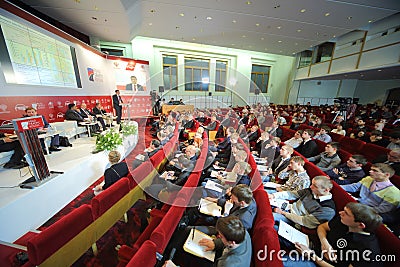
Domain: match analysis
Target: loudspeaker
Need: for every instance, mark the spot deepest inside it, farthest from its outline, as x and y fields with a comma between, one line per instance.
x=161, y=89
x=209, y=93
x=257, y=91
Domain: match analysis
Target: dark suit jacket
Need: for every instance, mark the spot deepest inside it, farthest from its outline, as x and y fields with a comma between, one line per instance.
x=309, y=149
x=276, y=162
x=72, y=115
x=211, y=126
x=97, y=111
x=114, y=173
x=116, y=102
x=129, y=86
x=84, y=113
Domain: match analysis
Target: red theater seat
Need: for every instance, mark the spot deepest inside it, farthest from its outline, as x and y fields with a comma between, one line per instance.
x=66, y=235
x=313, y=170
x=371, y=151
x=344, y=155
x=145, y=256
x=351, y=145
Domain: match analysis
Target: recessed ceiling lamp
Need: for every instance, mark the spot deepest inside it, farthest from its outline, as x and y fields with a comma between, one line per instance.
x=349, y=17
x=94, y=18
x=262, y=38
x=279, y=27
x=279, y=41
x=294, y=53
x=96, y=8
x=77, y=1
x=298, y=30
x=266, y=49
x=257, y=24
x=177, y=27
x=295, y=43
x=182, y=14
x=369, y=21
x=194, y=39
x=303, y=10
x=327, y=14
x=243, y=36
x=280, y=51
x=152, y=11
x=379, y=70
x=234, y=21
x=150, y=24
x=248, y=2
x=209, y=18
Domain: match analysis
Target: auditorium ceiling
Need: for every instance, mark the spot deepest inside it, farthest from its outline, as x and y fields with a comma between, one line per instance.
x=282, y=27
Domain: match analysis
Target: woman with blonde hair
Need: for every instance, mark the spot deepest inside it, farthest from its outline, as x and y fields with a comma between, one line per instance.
x=116, y=171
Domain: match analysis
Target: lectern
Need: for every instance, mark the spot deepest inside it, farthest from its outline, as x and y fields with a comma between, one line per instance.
x=26, y=130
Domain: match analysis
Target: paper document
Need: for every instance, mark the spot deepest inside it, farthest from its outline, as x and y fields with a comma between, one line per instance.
x=262, y=168
x=140, y=157
x=217, y=173
x=192, y=245
x=217, y=167
x=270, y=185
x=292, y=234
x=209, y=208
x=214, y=186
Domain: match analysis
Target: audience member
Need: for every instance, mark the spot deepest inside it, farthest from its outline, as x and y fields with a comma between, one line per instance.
x=349, y=172
x=308, y=148
x=328, y=159
x=376, y=190
x=339, y=129
x=312, y=207
x=392, y=159
x=116, y=171
x=323, y=135
x=296, y=140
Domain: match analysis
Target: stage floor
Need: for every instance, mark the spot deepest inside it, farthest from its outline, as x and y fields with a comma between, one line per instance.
x=22, y=210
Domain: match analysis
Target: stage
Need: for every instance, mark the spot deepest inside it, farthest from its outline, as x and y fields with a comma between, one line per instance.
x=22, y=210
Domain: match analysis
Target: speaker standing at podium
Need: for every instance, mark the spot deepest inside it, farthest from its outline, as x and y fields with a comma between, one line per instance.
x=117, y=104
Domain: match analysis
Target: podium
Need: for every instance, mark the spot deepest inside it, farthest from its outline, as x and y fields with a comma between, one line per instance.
x=26, y=130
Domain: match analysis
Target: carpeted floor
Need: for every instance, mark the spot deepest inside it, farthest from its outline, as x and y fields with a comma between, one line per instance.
x=120, y=233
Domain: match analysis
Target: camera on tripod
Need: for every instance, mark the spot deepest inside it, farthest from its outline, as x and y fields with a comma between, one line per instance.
x=343, y=102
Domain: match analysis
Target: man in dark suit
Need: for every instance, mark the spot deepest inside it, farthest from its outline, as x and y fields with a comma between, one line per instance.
x=99, y=112
x=134, y=86
x=8, y=144
x=73, y=114
x=117, y=104
x=308, y=148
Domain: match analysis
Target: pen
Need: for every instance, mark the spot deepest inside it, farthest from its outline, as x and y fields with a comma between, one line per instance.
x=194, y=229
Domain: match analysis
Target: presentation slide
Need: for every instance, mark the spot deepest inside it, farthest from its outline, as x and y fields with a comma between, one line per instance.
x=30, y=57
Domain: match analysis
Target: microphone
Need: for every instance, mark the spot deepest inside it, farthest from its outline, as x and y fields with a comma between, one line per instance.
x=172, y=254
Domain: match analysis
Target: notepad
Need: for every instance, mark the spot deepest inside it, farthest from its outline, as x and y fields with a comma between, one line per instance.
x=292, y=234
x=192, y=245
x=214, y=186
x=209, y=208
x=270, y=185
x=262, y=168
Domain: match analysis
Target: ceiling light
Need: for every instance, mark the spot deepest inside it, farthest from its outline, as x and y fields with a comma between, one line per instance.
x=194, y=39
x=182, y=14
x=233, y=21
x=250, y=46
x=265, y=49
x=279, y=41
x=303, y=10
x=177, y=27
x=334, y=36
x=327, y=14
x=77, y=1
x=379, y=70
x=295, y=43
x=280, y=51
x=262, y=38
x=294, y=53
x=96, y=8
x=243, y=36
x=369, y=21
x=279, y=27
x=349, y=17
x=150, y=24
x=152, y=11
x=277, y=6
x=248, y=2
x=209, y=18
x=233, y=44
x=94, y=18
x=257, y=24
x=299, y=30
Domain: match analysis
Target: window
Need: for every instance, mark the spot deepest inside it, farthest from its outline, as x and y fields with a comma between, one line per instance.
x=113, y=51
x=220, y=76
x=259, y=78
x=325, y=51
x=305, y=58
x=170, y=73
x=196, y=70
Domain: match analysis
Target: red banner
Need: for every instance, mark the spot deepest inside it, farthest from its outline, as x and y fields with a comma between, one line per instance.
x=54, y=107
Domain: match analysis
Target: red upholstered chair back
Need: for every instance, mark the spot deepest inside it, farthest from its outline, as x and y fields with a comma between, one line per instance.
x=265, y=239
x=321, y=145
x=106, y=199
x=43, y=245
x=287, y=133
x=336, y=137
x=340, y=197
x=142, y=171
x=389, y=245
x=162, y=234
x=395, y=180
x=145, y=256
x=371, y=151
x=264, y=210
x=313, y=170
x=157, y=158
x=344, y=155
x=351, y=145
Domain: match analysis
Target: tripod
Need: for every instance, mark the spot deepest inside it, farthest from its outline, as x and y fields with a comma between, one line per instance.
x=342, y=113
